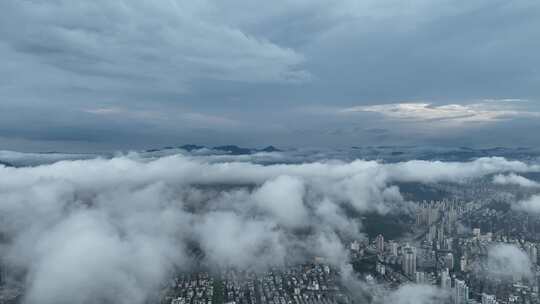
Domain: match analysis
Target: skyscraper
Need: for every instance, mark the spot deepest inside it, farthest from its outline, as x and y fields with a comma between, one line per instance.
x=409, y=261
x=379, y=241
x=449, y=260
x=446, y=281
x=440, y=234
x=461, y=292
x=394, y=248
x=532, y=252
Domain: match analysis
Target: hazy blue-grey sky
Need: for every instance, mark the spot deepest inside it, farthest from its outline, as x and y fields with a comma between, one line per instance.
x=112, y=74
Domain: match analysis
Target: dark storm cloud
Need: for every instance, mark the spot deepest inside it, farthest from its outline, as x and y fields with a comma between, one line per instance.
x=245, y=72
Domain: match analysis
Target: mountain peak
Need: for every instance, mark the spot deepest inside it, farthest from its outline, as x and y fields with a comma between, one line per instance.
x=191, y=147
x=233, y=149
x=270, y=149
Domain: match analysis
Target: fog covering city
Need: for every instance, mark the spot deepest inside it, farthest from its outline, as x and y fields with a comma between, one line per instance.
x=118, y=228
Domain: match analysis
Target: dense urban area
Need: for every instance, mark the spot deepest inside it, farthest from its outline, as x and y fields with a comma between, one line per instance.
x=447, y=247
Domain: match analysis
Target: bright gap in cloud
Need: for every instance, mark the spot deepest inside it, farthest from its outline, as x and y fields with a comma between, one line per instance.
x=457, y=113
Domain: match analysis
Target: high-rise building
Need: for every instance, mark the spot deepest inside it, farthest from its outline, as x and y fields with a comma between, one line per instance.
x=430, y=236
x=379, y=242
x=446, y=281
x=448, y=243
x=440, y=234
x=449, y=261
x=420, y=217
x=394, y=248
x=409, y=261
x=532, y=251
x=461, y=292
x=420, y=277
x=463, y=263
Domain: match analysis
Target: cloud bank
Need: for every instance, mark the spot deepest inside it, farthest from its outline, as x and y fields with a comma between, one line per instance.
x=513, y=179
x=508, y=260
x=417, y=294
x=531, y=204
x=110, y=230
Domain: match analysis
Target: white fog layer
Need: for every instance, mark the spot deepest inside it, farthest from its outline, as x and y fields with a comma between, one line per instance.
x=112, y=230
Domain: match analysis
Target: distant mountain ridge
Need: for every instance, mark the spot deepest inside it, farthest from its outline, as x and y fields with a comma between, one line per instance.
x=5, y=164
x=190, y=147
x=231, y=149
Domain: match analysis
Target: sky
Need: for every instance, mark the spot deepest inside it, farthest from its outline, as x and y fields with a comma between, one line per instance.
x=110, y=74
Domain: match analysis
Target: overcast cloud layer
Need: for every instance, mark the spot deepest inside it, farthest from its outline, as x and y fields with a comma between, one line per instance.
x=110, y=230
x=131, y=74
